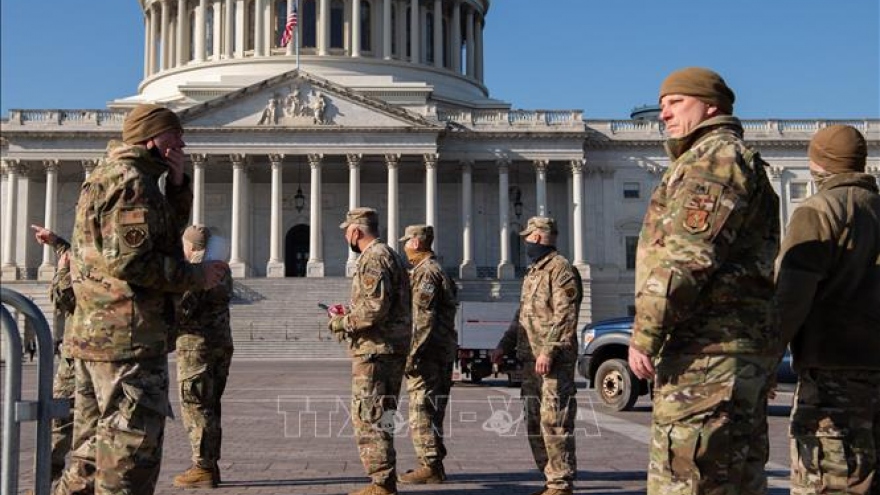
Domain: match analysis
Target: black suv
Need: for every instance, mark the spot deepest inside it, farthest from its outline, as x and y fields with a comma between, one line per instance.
x=602, y=360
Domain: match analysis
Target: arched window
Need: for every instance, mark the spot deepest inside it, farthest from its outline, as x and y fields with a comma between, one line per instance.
x=280, y=16
x=308, y=22
x=209, y=32
x=366, y=24
x=249, y=22
x=337, y=24
x=429, y=37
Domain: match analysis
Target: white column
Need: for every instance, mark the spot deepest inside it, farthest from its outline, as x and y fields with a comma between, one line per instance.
x=323, y=31
x=467, y=269
x=392, y=161
x=292, y=45
x=154, y=33
x=541, y=186
x=478, y=48
x=228, y=30
x=315, y=265
x=577, y=182
x=456, y=37
x=354, y=201
x=238, y=164
x=165, y=36
x=505, y=267
x=47, y=268
x=431, y=195
x=198, y=208
x=438, y=34
x=355, y=28
x=199, y=34
x=275, y=266
x=217, y=30
x=776, y=174
x=258, y=28
x=469, y=26
x=240, y=28
x=88, y=166
x=9, y=269
x=146, y=44
x=386, y=30
x=414, y=36
x=182, y=21
x=268, y=28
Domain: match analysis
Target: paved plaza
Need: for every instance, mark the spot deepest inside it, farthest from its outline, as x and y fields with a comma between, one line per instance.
x=286, y=431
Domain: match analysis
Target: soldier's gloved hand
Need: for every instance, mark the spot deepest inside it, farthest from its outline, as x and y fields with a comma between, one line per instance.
x=412, y=365
x=337, y=326
x=336, y=310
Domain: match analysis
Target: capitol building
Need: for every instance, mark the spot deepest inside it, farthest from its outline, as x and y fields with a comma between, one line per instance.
x=377, y=103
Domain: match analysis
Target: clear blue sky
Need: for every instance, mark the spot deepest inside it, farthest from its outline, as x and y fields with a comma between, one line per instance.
x=785, y=59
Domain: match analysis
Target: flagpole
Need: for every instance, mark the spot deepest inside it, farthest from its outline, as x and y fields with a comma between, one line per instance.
x=296, y=34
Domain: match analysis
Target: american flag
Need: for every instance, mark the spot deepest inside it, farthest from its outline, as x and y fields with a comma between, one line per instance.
x=289, y=27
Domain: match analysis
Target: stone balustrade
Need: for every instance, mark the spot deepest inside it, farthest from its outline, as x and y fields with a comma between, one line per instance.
x=516, y=118
x=79, y=118
x=763, y=129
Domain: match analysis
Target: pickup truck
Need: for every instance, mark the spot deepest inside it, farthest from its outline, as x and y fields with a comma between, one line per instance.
x=602, y=360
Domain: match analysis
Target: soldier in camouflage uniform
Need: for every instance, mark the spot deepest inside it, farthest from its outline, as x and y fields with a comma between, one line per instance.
x=126, y=261
x=544, y=336
x=204, y=353
x=828, y=291
x=704, y=290
x=431, y=356
x=378, y=328
x=64, y=385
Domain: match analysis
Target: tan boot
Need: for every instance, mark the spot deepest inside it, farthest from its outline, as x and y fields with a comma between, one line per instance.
x=539, y=492
x=423, y=475
x=373, y=489
x=557, y=491
x=195, y=477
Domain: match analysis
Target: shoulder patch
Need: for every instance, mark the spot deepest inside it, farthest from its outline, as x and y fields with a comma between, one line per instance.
x=134, y=237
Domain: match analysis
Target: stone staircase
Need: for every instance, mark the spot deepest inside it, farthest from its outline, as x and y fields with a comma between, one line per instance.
x=279, y=318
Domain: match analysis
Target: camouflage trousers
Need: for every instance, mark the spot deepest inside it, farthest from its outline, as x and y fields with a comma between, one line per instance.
x=375, y=386
x=201, y=375
x=835, y=431
x=550, y=408
x=63, y=387
x=709, y=430
x=119, y=425
x=428, y=387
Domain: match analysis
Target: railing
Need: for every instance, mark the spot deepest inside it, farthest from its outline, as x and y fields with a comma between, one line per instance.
x=16, y=411
x=66, y=117
x=796, y=129
x=503, y=117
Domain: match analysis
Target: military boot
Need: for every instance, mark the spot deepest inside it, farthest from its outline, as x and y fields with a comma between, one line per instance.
x=374, y=489
x=557, y=491
x=195, y=477
x=424, y=475
x=215, y=473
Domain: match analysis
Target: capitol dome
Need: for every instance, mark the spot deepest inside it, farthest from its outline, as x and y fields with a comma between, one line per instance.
x=400, y=51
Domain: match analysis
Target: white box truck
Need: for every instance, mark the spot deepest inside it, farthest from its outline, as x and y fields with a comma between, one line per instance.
x=480, y=327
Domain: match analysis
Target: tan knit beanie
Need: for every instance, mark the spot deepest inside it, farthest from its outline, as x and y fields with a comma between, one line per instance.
x=839, y=148
x=198, y=236
x=147, y=121
x=700, y=83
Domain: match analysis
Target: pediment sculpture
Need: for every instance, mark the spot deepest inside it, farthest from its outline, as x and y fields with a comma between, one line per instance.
x=298, y=107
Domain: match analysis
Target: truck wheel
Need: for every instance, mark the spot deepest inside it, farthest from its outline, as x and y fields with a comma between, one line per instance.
x=616, y=385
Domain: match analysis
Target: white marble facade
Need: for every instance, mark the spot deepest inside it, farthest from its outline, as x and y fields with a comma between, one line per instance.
x=282, y=144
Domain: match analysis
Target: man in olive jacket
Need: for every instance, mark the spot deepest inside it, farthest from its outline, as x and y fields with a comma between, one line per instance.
x=828, y=291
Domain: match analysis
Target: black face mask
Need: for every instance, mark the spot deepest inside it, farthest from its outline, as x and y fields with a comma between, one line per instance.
x=353, y=245
x=537, y=251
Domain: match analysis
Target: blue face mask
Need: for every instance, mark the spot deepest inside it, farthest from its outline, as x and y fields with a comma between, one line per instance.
x=537, y=251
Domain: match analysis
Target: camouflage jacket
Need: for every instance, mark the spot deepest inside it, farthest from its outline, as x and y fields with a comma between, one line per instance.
x=546, y=321
x=127, y=258
x=704, y=268
x=434, y=302
x=203, y=317
x=61, y=294
x=828, y=277
x=380, y=316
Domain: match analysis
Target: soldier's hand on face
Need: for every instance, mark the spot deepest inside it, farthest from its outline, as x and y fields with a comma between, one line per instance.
x=176, y=159
x=497, y=355
x=543, y=364
x=44, y=235
x=640, y=364
x=214, y=271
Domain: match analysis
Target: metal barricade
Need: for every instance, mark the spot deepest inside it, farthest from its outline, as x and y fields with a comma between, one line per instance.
x=17, y=411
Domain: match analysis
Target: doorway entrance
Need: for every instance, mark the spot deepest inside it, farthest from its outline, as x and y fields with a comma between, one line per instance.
x=296, y=251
